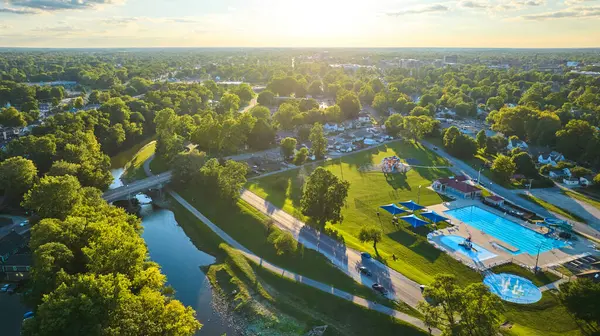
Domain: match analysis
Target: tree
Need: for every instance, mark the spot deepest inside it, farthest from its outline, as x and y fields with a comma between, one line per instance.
x=10, y=117
x=481, y=139
x=472, y=311
x=370, y=234
x=288, y=145
x=419, y=111
x=244, y=92
x=285, y=115
x=78, y=103
x=266, y=98
x=495, y=103
x=230, y=102
x=61, y=168
x=53, y=196
x=418, y=127
x=394, y=124
x=574, y=138
x=262, y=135
x=301, y=156
x=232, y=178
x=314, y=89
x=366, y=94
x=579, y=171
x=597, y=181
x=380, y=103
x=17, y=176
x=318, y=141
x=186, y=167
x=260, y=112
x=582, y=298
x=458, y=144
x=117, y=110
x=524, y=164
x=283, y=242
x=503, y=167
x=349, y=104
x=324, y=196
x=495, y=144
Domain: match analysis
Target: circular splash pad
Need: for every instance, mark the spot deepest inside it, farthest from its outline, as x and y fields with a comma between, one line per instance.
x=513, y=288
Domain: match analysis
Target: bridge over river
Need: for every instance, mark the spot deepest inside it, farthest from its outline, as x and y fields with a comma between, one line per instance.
x=126, y=191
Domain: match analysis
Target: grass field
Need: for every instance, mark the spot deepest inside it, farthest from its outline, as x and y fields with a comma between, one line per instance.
x=583, y=198
x=246, y=225
x=417, y=259
x=539, y=279
x=123, y=158
x=134, y=169
x=553, y=208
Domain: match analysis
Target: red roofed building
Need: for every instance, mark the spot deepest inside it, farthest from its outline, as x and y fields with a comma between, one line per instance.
x=457, y=185
x=495, y=200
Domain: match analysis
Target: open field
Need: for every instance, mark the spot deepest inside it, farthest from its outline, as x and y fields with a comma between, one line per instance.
x=123, y=158
x=134, y=169
x=416, y=258
x=553, y=208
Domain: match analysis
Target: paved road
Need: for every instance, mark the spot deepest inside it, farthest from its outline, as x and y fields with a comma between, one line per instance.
x=460, y=167
x=400, y=287
x=584, y=210
x=307, y=281
x=133, y=188
x=14, y=226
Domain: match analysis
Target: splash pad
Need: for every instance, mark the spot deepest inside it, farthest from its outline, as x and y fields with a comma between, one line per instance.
x=513, y=288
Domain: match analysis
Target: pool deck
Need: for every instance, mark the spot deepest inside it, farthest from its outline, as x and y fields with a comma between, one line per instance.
x=574, y=250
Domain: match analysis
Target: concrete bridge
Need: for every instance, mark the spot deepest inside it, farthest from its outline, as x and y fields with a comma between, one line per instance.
x=126, y=191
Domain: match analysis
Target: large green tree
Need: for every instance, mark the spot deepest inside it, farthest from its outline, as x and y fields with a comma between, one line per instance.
x=349, y=104
x=53, y=196
x=318, y=141
x=288, y=145
x=470, y=311
x=324, y=196
x=503, y=167
x=370, y=234
x=17, y=176
x=582, y=299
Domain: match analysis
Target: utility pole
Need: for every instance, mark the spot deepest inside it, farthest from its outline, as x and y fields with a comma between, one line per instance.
x=535, y=270
x=419, y=195
x=530, y=184
x=479, y=176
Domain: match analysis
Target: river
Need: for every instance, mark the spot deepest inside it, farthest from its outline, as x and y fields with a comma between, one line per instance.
x=180, y=261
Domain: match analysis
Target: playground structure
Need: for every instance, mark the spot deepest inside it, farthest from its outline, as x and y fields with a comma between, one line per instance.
x=392, y=164
x=554, y=224
x=468, y=244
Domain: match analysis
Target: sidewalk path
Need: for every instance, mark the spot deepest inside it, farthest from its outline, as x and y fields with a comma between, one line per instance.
x=399, y=286
x=553, y=285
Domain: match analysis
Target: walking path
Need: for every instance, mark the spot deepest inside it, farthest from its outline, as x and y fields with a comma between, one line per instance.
x=553, y=285
x=348, y=260
x=290, y=275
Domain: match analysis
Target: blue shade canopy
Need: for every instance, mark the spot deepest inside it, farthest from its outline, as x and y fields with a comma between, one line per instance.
x=393, y=209
x=434, y=216
x=412, y=206
x=414, y=221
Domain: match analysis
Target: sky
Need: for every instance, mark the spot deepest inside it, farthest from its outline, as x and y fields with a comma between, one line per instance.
x=305, y=23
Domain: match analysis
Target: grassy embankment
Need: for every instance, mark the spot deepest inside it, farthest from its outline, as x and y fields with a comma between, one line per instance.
x=273, y=305
x=553, y=208
x=417, y=259
x=583, y=198
x=122, y=159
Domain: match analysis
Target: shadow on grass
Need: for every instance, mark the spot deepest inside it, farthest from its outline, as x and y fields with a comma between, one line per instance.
x=397, y=181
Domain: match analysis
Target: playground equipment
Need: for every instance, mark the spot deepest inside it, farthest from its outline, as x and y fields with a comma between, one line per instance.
x=468, y=244
x=553, y=224
x=393, y=164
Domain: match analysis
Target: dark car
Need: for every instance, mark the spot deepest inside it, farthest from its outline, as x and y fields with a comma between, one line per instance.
x=364, y=270
x=365, y=255
x=379, y=288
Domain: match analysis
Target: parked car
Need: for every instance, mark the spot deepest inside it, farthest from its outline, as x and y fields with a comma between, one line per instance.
x=364, y=270
x=4, y=288
x=365, y=255
x=422, y=287
x=379, y=288
x=24, y=223
x=10, y=289
x=27, y=315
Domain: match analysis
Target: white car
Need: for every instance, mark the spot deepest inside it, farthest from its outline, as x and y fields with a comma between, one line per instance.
x=24, y=223
x=4, y=288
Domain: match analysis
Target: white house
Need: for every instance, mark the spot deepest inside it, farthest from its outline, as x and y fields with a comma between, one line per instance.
x=552, y=158
x=330, y=127
x=561, y=173
x=364, y=118
x=516, y=143
x=571, y=181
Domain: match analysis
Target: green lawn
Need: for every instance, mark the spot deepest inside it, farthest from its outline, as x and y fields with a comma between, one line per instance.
x=123, y=158
x=548, y=317
x=134, y=169
x=369, y=189
x=583, y=198
x=553, y=208
x=158, y=165
x=246, y=225
x=539, y=279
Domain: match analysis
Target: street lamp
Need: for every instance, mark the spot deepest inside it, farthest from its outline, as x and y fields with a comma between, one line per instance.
x=419, y=195
x=535, y=270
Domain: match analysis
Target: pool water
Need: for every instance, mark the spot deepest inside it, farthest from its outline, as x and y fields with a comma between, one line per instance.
x=520, y=237
x=479, y=254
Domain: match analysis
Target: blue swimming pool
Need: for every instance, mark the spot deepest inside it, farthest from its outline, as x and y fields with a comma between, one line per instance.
x=478, y=254
x=520, y=237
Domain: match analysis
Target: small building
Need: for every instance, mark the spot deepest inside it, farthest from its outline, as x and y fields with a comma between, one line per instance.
x=571, y=181
x=516, y=143
x=17, y=267
x=552, y=158
x=560, y=173
x=11, y=244
x=495, y=200
x=330, y=127
x=456, y=186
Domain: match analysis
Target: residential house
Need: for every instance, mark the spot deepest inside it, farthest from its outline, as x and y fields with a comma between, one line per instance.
x=560, y=173
x=552, y=158
x=330, y=127
x=571, y=181
x=17, y=267
x=516, y=143
x=364, y=118
x=11, y=244
x=456, y=185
